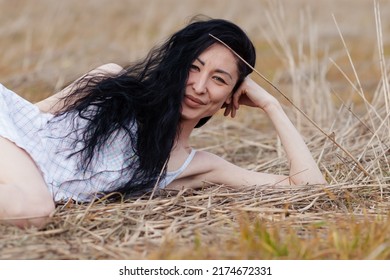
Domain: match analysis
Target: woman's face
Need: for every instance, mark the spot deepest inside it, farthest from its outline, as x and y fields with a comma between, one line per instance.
x=211, y=80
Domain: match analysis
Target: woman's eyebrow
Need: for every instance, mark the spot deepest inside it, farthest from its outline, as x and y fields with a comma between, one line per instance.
x=216, y=70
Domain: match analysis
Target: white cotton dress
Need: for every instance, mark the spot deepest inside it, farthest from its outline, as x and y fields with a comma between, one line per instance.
x=49, y=143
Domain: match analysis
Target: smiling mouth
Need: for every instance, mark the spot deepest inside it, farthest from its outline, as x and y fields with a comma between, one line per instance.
x=196, y=100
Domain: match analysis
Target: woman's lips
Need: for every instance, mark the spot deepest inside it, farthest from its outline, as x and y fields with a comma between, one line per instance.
x=194, y=100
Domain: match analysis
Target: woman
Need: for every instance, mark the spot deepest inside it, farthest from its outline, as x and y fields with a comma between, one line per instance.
x=127, y=130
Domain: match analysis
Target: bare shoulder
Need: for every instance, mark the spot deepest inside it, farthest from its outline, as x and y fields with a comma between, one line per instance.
x=204, y=167
x=204, y=162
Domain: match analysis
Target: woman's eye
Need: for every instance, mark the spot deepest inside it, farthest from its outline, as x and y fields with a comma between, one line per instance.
x=194, y=67
x=220, y=80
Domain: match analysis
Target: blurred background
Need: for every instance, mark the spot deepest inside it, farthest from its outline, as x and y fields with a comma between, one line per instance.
x=45, y=43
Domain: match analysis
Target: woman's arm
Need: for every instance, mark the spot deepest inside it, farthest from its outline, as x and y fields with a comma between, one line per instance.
x=303, y=168
x=55, y=103
x=207, y=167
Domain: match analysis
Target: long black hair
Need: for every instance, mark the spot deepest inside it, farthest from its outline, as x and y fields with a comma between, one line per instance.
x=149, y=94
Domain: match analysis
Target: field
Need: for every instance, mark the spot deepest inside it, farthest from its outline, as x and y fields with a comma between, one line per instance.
x=330, y=57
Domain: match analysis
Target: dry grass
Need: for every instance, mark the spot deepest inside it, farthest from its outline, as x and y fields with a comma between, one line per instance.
x=265, y=222
x=334, y=70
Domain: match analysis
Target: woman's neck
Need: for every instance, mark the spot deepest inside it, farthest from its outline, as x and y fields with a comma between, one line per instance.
x=183, y=139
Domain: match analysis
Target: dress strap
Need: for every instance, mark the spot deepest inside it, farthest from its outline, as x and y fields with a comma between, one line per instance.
x=185, y=164
x=172, y=175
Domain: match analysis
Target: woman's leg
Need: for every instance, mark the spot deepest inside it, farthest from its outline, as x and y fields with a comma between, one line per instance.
x=24, y=197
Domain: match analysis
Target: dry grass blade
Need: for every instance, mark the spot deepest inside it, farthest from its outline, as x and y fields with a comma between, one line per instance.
x=125, y=230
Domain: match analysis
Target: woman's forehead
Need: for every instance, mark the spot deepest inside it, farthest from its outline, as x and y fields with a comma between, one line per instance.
x=219, y=56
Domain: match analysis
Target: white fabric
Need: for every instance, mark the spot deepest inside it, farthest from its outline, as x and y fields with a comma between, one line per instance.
x=172, y=175
x=50, y=143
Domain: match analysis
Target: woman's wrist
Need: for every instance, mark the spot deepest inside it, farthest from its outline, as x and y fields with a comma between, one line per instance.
x=271, y=107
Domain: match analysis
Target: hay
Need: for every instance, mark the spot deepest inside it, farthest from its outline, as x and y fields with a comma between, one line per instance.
x=138, y=228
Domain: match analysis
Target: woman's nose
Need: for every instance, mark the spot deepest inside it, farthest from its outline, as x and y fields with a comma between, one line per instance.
x=200, y=84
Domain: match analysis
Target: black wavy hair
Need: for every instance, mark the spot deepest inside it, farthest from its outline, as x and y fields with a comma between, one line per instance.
x=149, y=94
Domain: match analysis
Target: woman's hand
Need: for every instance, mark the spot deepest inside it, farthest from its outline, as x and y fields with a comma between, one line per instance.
x=249, y=94
x=303, y=168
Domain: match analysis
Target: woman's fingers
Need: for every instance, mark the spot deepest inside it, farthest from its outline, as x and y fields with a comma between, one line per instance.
x=234, y=111
x=231, y=111
x=236, y=98
x=227, y=109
